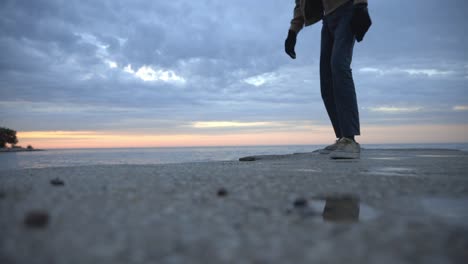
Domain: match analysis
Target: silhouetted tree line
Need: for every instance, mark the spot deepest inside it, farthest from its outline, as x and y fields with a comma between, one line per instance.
x=7, y=136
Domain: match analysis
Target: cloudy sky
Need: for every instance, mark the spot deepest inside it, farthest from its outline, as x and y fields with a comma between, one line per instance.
x=207, y=72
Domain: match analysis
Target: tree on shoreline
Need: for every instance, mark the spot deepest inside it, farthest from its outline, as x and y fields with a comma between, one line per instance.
x=7, y=136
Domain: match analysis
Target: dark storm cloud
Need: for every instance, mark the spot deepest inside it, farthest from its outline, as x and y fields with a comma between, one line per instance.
x=63, y=63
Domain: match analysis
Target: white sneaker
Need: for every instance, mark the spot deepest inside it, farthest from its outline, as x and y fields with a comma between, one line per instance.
x=346, y=149
x=328, y=149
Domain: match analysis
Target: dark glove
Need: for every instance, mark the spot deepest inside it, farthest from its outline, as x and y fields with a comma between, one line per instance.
x=290, y=43
x=361, y=21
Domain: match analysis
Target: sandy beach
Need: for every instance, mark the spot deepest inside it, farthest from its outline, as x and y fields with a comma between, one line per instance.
x=392, y=206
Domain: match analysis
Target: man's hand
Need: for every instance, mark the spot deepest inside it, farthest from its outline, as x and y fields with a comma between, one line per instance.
x=361, y=21
x=290, y=43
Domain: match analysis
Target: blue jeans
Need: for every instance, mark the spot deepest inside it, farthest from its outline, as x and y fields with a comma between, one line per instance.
x=336, y=79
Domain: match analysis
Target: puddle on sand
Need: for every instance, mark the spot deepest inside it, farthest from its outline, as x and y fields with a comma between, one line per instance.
x=392, y=171
x=439, y=156
x=338, y=209
x=450, y=209
x=347, y=208
x=307, y=170
x=386, y=158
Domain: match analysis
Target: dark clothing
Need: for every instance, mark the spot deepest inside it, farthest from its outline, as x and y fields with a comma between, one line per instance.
x=361, y=21
x=336, y=80
x=309, y=12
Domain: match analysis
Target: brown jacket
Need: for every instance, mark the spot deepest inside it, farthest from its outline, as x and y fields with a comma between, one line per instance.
x=308, y=12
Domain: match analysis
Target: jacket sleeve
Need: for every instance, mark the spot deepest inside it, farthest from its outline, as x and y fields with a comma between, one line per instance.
x=297, y=23
x=360, y=2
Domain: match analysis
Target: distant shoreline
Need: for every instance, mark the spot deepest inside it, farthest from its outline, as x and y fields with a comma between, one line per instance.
x=7, y=150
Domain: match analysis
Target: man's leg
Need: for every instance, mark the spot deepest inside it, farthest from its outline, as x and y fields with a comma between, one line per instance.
x=326, y=81
x=343, y=84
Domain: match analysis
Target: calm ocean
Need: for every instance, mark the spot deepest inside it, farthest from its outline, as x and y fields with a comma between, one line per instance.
x=80, y=157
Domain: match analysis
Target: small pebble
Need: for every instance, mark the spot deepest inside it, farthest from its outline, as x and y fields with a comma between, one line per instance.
x=2, y=195
x=222, y=192
x=247, y=159
x=300, y=203
x=36, y=219
x=57, y=182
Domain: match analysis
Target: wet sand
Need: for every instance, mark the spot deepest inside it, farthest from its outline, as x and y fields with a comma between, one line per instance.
x=8, y=150
x=392, y=206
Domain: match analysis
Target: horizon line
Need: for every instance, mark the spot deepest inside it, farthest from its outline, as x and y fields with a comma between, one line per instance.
x=260, y=145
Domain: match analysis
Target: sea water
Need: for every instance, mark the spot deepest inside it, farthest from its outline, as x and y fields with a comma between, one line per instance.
x=143, y=156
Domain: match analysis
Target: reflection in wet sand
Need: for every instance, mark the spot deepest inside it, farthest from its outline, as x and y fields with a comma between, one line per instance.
x=439, y=156
x=392, y=171
x=342, y=208
x=450, y=209
x=339, y=209
x=386, y=158
x=307, y=170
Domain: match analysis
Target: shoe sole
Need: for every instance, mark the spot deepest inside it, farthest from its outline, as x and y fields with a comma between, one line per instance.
x=345, y=155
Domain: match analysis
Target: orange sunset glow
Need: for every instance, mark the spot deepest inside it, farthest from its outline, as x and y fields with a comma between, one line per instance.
x=316, y=135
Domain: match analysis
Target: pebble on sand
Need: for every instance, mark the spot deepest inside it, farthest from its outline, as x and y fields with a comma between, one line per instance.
x=36, y=219
x=57, y=182
x=248, y=159
x=300, y=203
x=222, y=192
